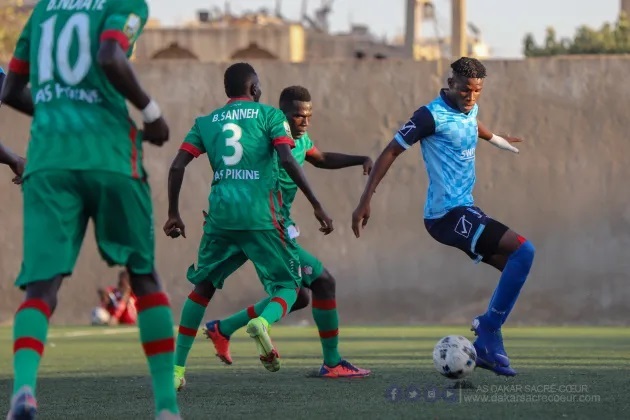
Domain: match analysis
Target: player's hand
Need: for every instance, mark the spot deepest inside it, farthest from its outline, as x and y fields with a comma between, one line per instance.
x=156, y=133
x=360, y=216
x=511, y=139
x=18, y=169
x=367, y=166
x=174, y=227
x=324, y=220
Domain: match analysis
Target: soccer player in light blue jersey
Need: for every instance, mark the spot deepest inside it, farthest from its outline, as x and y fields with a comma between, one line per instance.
x=447, y=130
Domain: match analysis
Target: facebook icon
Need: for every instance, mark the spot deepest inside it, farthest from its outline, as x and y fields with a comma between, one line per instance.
x=394, y=394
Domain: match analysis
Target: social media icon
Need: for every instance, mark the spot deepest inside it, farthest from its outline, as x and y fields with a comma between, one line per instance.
x=450, y=395
x=413, y=393
x=394, y=394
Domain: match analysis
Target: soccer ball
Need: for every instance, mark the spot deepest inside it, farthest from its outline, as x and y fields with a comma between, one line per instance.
x=454, y=357
x=99, y=316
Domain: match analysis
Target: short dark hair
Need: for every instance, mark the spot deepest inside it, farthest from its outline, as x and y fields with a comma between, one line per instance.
x=236, y=79
x=470, y=68
x=294, y=93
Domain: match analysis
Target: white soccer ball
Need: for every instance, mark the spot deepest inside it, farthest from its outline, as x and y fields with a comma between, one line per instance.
x=100, y=316
x=454, y=357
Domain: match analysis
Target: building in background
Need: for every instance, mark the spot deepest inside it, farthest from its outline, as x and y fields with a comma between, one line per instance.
x=217, y=35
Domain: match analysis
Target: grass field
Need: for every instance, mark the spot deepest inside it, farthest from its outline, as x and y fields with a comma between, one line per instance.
x=98, y=373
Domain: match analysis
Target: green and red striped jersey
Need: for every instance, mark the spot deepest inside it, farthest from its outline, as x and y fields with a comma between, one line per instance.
x=240, y=140
x=81, y=121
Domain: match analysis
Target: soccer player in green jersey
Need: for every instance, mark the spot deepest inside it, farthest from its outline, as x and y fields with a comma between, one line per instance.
x=84, y=162
x=245, y=141
x=295, y=102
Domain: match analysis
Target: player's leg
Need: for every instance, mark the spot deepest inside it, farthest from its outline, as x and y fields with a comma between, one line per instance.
x=513, y=255
x=218, y=257
x=123, y=222
x=54, y=226
x=470, y=230
x=192, y=313
x=275, y=257
x=324, y=307
x=220, y=331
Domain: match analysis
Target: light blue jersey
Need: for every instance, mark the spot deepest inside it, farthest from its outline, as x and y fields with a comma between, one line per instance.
x=448, y=141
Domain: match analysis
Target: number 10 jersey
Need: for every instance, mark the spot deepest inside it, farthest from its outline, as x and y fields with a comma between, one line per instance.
x=81, y=121
x=239, y=140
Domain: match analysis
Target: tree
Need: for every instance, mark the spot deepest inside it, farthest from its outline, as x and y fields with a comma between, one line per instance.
x=609, y=39
x=12, y=20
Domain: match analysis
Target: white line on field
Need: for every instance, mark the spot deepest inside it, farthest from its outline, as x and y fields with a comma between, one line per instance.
x=95, y=331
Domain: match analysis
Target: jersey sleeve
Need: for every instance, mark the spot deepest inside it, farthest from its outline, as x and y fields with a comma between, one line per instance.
x=193, y=142
x=124, y=22
x=311, y=149
x=278, y=129
x=419, y=126
x=20, y=62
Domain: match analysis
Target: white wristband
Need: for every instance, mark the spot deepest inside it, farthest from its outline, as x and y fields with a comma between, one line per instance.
x=151, y=112
x=502, y=143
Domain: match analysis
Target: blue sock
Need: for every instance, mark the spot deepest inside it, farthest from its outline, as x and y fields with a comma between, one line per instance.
x=512, y=279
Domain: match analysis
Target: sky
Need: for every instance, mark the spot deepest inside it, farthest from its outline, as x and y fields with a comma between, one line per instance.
x=502, y=23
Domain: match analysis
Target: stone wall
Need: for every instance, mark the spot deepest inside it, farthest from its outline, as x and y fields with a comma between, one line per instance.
x=566, y=192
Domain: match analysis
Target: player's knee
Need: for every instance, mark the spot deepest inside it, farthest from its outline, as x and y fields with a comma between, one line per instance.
x=302, y=301
x=528, y=251
x=144, y=284
x=324, y=287
x=46, y=291
x=524, y=255
x=205, y=289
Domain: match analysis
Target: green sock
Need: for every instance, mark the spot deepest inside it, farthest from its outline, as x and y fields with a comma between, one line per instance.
x=281, y=300
x=231, y=324
x=192, y=314
x=327, y=321
x=155, y=321
x=29, y=338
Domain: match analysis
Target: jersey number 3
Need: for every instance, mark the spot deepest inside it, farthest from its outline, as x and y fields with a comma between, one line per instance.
x=234, y=142
x=78, y=23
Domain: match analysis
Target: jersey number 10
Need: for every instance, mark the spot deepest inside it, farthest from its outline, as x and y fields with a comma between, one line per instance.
x=71, y=74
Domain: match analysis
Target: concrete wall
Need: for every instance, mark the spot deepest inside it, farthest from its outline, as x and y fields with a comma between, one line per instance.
x=567, y=191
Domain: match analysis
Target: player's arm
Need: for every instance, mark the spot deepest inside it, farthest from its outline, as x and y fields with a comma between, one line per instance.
x=419, y=126
x=283, y=146
x=122, y=306
x=332, y=160
x=121, y=30
x=279, y=133
x=502, y=142
x=117, y=68
x=15, y=92
x=191, y=148
x=103, y=297
x=7, y=157
x=295, y=172
x=14, y=161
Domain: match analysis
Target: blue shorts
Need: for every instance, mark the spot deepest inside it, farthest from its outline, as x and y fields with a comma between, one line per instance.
x=468, y=229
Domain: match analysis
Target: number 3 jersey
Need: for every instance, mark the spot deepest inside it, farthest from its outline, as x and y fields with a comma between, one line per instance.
x=81, y=122
x=239, y=140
